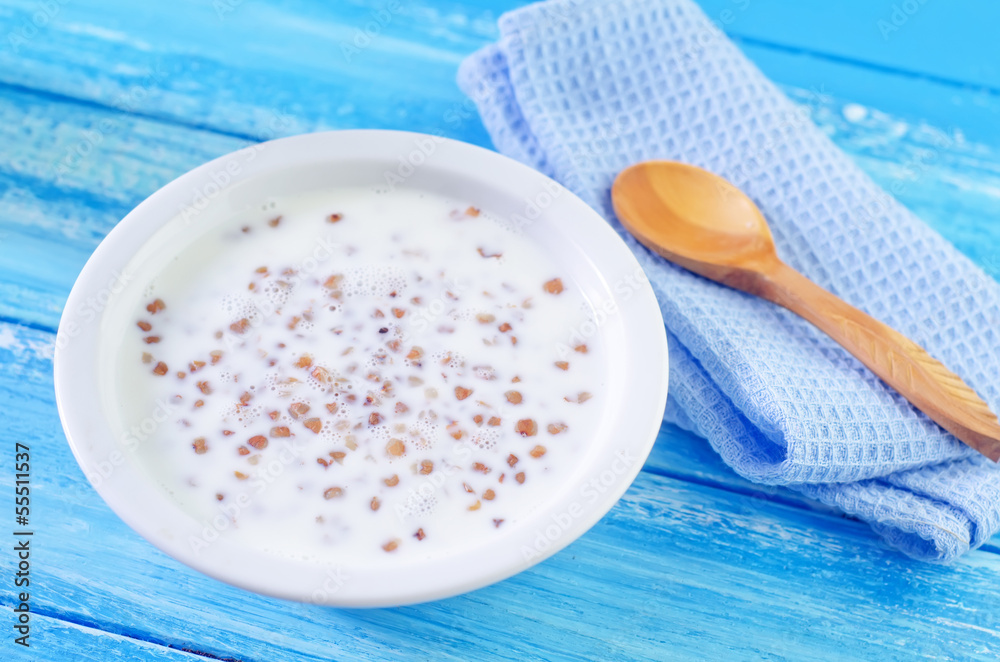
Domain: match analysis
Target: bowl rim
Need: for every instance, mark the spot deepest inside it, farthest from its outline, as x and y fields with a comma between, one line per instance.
x=147, y=509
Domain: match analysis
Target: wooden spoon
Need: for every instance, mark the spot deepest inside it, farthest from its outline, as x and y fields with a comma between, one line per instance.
x=705, y=224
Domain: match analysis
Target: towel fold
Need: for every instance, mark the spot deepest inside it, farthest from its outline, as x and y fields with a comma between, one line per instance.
x=581, y=89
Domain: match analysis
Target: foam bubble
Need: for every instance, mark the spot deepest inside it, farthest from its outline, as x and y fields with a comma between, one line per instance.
x=374, y=280
x=276, y=290
x=422, y=501
x=387, y=260
x=486, y=438
x=452, y=360
x=246, y=416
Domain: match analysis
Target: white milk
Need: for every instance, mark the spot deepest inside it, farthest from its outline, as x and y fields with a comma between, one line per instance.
x=372, y=472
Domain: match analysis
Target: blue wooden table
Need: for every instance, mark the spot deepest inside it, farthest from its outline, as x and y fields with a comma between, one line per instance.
x=102, y=102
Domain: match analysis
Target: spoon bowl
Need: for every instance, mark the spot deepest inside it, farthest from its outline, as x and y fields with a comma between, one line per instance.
x=696, y=219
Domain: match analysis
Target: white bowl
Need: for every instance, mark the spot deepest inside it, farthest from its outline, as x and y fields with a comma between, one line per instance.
x=580, y=243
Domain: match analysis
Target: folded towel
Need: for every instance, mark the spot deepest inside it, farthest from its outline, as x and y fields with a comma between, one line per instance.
x=580, y=89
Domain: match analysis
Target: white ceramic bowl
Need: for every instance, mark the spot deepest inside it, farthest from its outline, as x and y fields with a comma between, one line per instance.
x=580, y=243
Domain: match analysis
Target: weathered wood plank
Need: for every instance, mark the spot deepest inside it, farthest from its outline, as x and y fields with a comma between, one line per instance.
x=211, y=65
x=51, y=223
x=696, y=571
x=892, y=35
x=677, y=569
x=53, y=220
x=68, y=174
x=51, y=217
x=172, y=62
x=55, y=640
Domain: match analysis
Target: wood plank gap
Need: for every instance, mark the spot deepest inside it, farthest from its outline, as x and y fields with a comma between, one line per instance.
x=840, y=59
x=36, y=326
x=93, y=625
x=763, y=493
x=43, y=93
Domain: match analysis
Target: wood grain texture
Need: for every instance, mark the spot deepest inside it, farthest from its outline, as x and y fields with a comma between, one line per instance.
x=917, y=60
x=52, y=217
x=208, y=67
x=213, y=65
x=898, y=361
x=105, y=103
x=679, y=568
x=891, y=35
x=49, y=236
x=55, y=640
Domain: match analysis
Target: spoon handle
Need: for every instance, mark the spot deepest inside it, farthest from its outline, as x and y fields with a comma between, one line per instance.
x=897, y=360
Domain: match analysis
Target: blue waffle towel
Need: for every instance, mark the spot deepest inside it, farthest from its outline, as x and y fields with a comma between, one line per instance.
x=581, y=89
